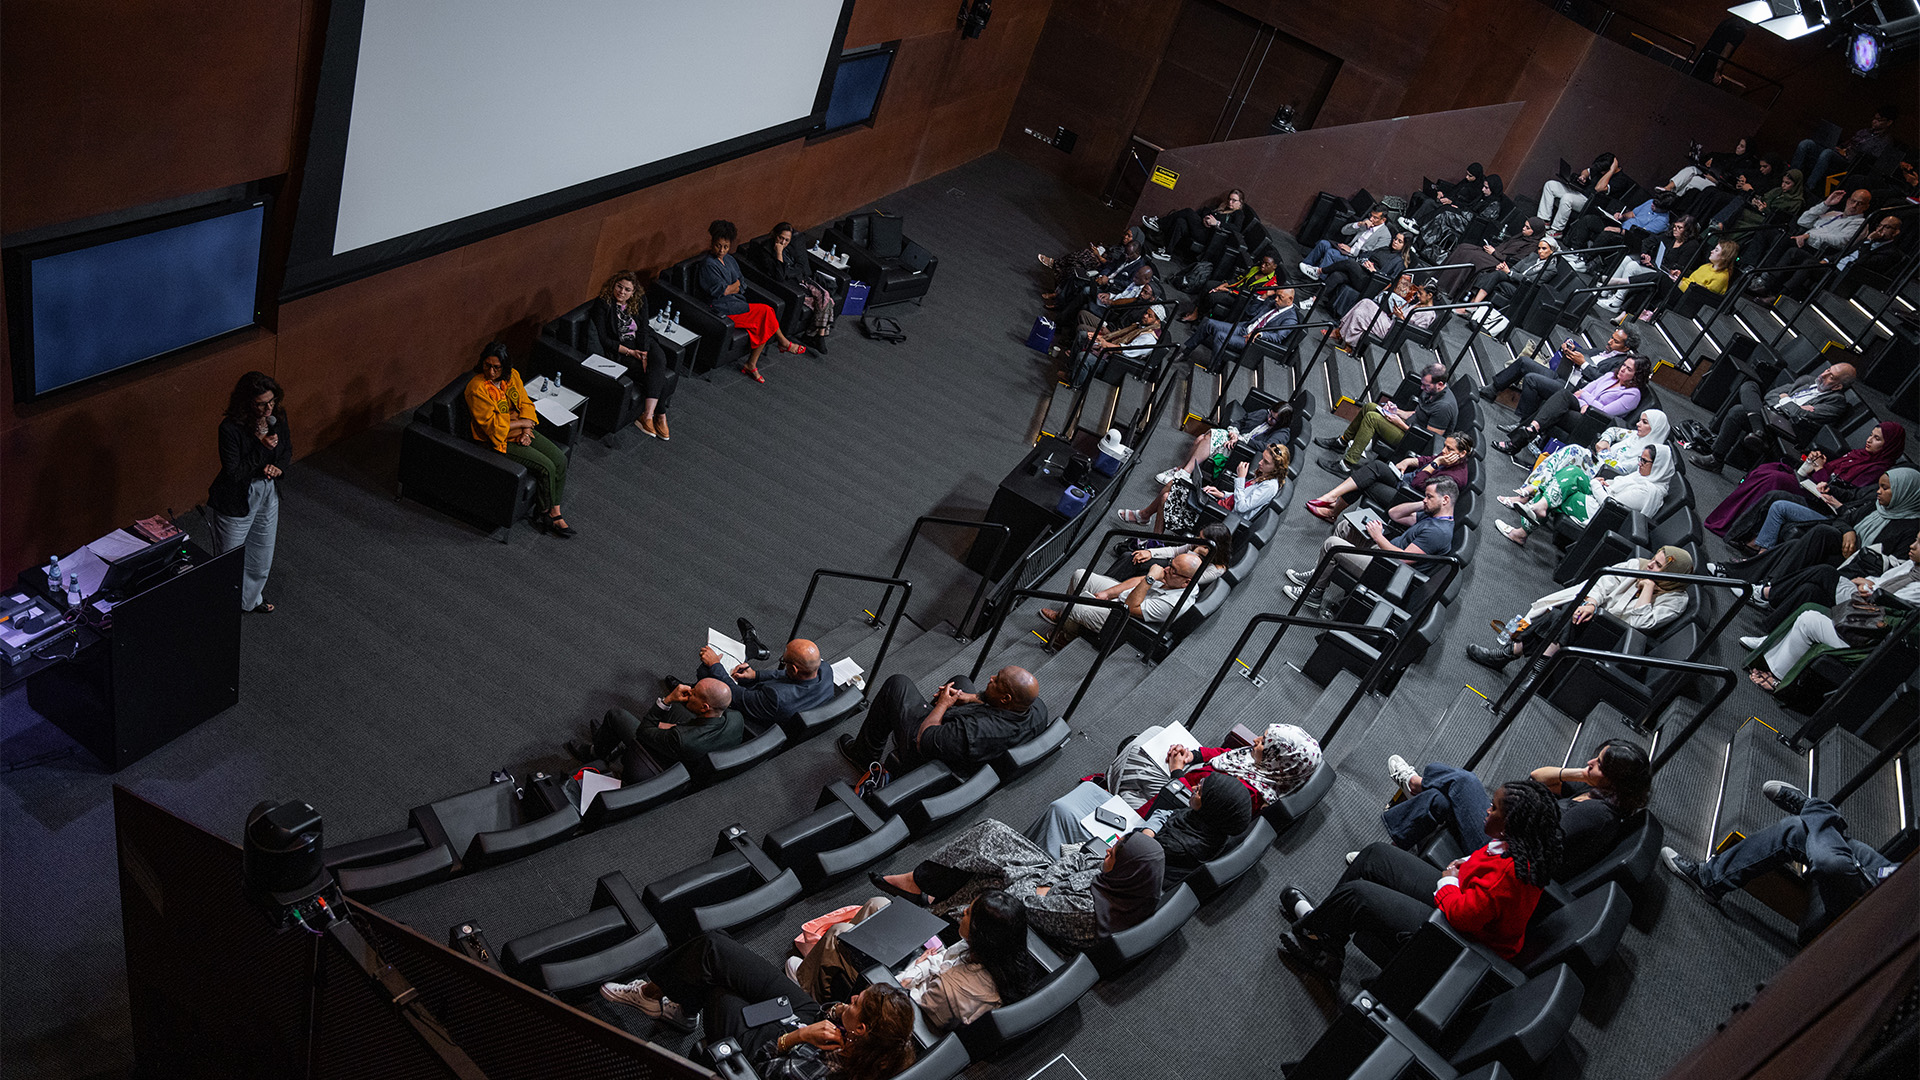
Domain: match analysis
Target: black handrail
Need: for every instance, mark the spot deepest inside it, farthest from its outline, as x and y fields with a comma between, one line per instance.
x=1109, y=634
x=1383, y=636
x=1893, y=750
x=1512, y=712
x=1434, y=589
x=993, y=559
x=1175, y=539
x=1439, y=343
x=886, y=642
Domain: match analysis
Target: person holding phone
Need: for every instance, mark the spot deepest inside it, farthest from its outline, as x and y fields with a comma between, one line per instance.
x=1221, y=809
x=243, y=502
x=1275, y=765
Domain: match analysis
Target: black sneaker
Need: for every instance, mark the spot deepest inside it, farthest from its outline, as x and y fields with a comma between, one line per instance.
x=845, y=745
x=1336, y=465
x=580, y=751
x=1304, y=952
x=1785, y=796
x=1330, y=442
x=1688, y=871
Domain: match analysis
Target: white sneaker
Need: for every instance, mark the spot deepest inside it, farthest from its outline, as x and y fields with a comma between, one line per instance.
x=1167, y=476
x=793, y=967
x=1399, y=770
x=1578, y=262
x=1292, y=591
x=1150, y=222
x=1352, y=855
x=1751, y=642
x=1305, y=306
x=1310, y=270
x=1610, y=305
x=1162, y=254
x=634, y=994
x=1299, y=578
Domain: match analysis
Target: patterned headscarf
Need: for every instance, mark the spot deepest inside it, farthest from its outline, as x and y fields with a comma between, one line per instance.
x=1288, y=756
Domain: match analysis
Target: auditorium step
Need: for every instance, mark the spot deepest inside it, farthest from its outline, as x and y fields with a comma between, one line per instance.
x=1753, y=755
x=927, y=658
x=1540, y=736
x=1873, y=810
x=857, y=639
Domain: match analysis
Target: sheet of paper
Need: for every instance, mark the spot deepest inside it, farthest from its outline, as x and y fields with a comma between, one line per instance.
x=1174, y=734
x=845, y=671
x=117, y=545
x=732, y=653
x=604, y=366
x=89, y=566
x=553, y=412
x=1107, y=832
x=593, y=783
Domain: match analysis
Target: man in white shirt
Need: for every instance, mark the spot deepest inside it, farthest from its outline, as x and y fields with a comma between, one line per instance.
x=1153, y=598
x=1369, y=234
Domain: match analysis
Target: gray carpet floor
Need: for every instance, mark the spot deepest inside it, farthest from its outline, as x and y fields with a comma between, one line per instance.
x=411, y=657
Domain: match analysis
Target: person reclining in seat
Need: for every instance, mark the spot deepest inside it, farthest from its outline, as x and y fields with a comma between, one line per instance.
x=1428, y=530
x=1568, y=366
x=958, y=727
x=1151, y=597
x=690, y=721
x=1437, y=412
x=1802, y=405
x=1840, y=868
x=798, y=684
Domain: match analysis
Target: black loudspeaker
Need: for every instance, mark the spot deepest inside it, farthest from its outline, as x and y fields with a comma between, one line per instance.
x=887, y=235
x=858, y=229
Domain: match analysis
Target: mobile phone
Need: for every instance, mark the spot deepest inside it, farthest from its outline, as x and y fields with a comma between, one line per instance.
x=1107, y=817
x=771, y=1011
x=1097, y=846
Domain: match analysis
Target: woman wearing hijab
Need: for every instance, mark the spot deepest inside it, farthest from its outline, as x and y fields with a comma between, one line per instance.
x=1502, y=282
x=1595, y=802
x=1808, y=618
x=1641, y=491
x=1488, y=895
x=1435, y=197
x=1829, y=484
x=1222, y=808
x=1276, y=765
x=1824, y=585
x=1618, y=450
x=1889, y=520
x=1074, y=899
x=1404, y=301
x=1490, y=256
x=1642, y=603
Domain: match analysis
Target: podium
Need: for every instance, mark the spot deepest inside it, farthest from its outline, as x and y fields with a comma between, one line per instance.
x=169, y=659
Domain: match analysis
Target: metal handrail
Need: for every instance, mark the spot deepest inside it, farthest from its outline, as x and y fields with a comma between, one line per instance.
x=1893, y=750
x=1193, y=583
x=1571, y=652
x=886, y=642
x=1380, y=634
x=913, y=535
x=1535, y=659
x=1109, y=634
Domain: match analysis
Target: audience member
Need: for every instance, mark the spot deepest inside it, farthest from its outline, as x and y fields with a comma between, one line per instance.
x=243, y=501
x=617, y=329
x=1839, y=868
x=1816, y=480
x=1568, y=367
x=786, y=263
x=1560, y=200
x=1773, y=206
x=1083, y=264
x=1710, y=169
x=1641, y=603
x=686, y=724
x=1222, y=808
x=1831, y=227
x=1174, y=503
x=1485, y=256
x=1213, y=229
x=1404, y=301
x=1435, y=196
x=1678, y=252
x=1502, y=282
x=1619, y=450
x=1215, y=546
x=1359, y=271
x=717, y=979
x=1575, y=494
x=958, y=727
x=504, y=417
x=1139, y=294
x=1117, y=270
x=1798, y=408
x=1596, y=802
x=1436, y=412
x=1876, y=138
x=1279, y=761
x=797, y=684
x=1368, y=233
x=1889, y=521
x=953, y=986
x=1876, y=251
x=1806, y=603
x=1213, y=448
x=1276, y=320
x=1096, y=344
x=1426, y=528
x=1632, y=228
x=1615, y=394
x=1074, y=899
x=1261, y=280
x=1715, y=276
x=1383, y=482
x=1489, y=895
x=720, y=280
x=1153, y=597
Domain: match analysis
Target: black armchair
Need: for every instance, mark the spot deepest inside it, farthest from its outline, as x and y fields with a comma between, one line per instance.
x=441, y=464
x=721, y=342
x=562, y=348
x=614, y=939
x=893, y=267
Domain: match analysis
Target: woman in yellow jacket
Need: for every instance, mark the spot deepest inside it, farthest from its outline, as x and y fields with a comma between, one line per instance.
x=504, y=416
x=1714, y=275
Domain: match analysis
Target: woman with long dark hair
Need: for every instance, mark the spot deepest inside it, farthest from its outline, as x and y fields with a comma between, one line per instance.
x=1212, y=229
x=1488, y=895
x=243, y=502
x=1816, y=482
x=787, y=264
x=504, y=418
x=617, y=329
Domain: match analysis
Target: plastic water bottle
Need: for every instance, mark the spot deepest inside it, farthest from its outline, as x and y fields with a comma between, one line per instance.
x=73, y=590
x=1512, y=627
x=53, y=575
x=556, y=380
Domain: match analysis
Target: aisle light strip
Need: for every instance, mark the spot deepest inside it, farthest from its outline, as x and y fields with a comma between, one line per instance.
x=1713, y=829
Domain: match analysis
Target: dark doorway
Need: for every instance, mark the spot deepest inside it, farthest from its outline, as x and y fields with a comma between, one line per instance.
x=1225, y=74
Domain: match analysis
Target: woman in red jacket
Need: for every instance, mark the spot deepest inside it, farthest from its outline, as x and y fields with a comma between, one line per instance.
x=1489, y=895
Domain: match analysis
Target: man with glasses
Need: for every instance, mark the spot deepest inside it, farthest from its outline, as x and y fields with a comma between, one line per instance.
x=1153, y=598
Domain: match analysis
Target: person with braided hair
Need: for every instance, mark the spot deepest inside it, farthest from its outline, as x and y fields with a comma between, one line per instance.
x=1488, y=895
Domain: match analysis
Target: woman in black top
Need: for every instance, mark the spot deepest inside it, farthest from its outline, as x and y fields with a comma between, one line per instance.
x=787, y=264
x=617, y=330
x=243, y=502
x=1212, y=228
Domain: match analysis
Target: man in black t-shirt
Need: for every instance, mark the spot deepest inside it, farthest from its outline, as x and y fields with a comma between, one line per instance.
x=958, y=727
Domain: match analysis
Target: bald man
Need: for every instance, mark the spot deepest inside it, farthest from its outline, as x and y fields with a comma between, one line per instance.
x=689, y=722
x=958, y=727
x=1795, y=410
x=1153, y=597
x=767, y=698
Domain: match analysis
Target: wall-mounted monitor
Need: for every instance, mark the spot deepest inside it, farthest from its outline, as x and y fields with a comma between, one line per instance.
x=858, y=83
x=85, y=306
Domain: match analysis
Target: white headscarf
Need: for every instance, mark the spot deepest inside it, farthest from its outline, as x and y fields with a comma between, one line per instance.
x=1645, y=493
x=1288, y=756
x=1625, y=454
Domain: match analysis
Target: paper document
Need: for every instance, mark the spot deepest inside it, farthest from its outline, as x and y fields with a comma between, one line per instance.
x=593, y=783
x=732, y=653
x=1174, y=734
x=1107, y=832
x=117, y=545
x=604, y=366
x=553, y=412
x=846, y=672
x=89, y=566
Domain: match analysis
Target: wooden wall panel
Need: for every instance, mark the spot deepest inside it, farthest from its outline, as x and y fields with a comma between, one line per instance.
x=212, y=90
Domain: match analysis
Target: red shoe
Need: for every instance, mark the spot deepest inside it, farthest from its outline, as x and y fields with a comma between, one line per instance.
x=754, y=374
x=1324, y=513
x=795, y=348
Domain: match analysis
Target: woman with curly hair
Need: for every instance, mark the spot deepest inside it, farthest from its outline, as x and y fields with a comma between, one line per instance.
x=1488, y=895
x=719, y=278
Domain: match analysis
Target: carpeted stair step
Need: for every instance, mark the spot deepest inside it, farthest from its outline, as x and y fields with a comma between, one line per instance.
x=1539, y=736
x=1754, y=755
x=930, y=654
x=1873, y=810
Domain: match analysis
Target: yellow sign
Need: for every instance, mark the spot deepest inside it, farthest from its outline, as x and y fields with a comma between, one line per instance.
x=1166, y=178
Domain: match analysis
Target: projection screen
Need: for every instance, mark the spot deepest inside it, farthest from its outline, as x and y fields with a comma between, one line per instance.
x=439, y=122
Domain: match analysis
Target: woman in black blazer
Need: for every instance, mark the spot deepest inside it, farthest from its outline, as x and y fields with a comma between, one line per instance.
x=243, y=502
x=617, y=330
x=787, y=264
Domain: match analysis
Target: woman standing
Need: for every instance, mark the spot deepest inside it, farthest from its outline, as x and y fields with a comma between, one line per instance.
x=720, y=280
x=244, y=499
x=788, y=265
x=504, y=418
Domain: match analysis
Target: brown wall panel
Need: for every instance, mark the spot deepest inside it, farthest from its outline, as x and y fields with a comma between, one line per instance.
x=352, y=356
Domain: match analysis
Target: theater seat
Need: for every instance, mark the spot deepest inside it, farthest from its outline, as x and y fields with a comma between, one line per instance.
x=840, y=836
x=763, y=741
x=1021, y=757
x=738, y=885
x=892, y=273
x=613, y=940
x=629, y=799
x=381, y=880
x=1217, y=873
x=1056, y=995
x=947, y=1058
x=1114, y=953
x=443, y=466
x=1630, y=861
x=928, y=814
x=813, y=721
x=376, y=849
x=1519, y=1028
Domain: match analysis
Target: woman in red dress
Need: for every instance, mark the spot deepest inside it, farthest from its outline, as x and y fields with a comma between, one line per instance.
x=720, y=280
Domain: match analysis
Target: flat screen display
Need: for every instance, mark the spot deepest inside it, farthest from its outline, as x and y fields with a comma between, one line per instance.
x=857, y=85
x=99, y=307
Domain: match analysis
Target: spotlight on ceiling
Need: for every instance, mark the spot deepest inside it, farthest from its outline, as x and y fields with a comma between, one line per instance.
x=1786, y=18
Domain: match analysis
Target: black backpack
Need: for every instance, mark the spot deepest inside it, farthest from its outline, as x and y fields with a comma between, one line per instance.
x=880, y=328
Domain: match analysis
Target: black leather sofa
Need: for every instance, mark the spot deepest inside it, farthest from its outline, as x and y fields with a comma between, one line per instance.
x=892, y=274
x=442, y=465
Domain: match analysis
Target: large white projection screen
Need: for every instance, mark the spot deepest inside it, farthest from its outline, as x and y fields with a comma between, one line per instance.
x=462, y=106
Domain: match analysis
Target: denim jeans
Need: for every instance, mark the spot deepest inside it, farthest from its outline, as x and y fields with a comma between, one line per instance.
x=1779, y=514
x=257, y=530
x=1840, y=869
x=1447, y=797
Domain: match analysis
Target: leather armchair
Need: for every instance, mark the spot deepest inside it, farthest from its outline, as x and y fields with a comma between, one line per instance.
x=562, y=348
x=442, y=465
x=891, y=277
x=721, y=342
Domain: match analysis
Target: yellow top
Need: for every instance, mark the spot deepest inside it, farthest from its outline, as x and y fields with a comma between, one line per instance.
x=496, y=406
x=1714, y=281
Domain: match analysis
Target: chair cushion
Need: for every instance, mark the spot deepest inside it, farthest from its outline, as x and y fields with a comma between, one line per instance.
x=1112, y=954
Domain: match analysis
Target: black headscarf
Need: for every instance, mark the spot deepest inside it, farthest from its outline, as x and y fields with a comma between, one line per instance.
x=1474, y=170
x=1127, y=894
x=1192, y=836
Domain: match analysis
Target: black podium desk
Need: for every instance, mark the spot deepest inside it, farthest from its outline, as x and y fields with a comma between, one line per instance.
x=1028, y=503
x=169, y=659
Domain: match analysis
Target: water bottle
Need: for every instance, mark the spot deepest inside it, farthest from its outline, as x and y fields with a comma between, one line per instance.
x=556, y=381
x=73, y=590
x=53, y=575
x=1512, y=627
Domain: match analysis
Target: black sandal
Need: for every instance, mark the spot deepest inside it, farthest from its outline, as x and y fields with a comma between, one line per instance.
x=879, y=881
x=261, y=608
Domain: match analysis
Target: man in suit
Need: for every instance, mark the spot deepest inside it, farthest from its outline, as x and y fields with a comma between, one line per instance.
x=768, y=698
x=1569, y=367
x=1798, y=408
x=1276, y=322
x=688, y=722
x=1877, y=250
x=958, y=727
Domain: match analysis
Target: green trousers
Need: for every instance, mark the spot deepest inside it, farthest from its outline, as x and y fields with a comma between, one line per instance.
x=549, y=465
